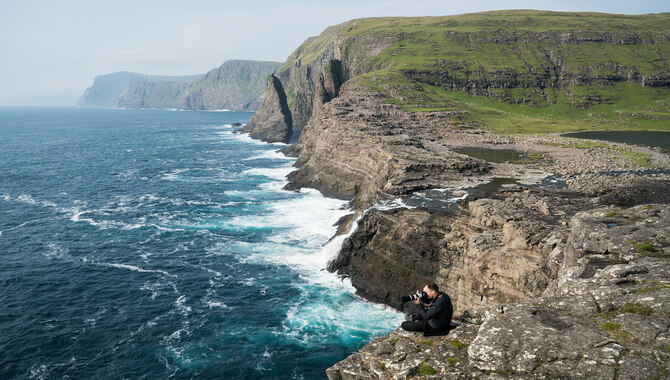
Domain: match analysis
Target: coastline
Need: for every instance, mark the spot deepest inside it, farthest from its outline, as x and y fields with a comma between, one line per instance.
x=382, y=119
x=539, y=254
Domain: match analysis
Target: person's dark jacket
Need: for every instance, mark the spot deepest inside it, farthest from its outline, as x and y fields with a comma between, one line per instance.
x=438, y=313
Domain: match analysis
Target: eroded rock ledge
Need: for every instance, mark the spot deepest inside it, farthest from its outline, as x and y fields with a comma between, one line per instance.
x=606, y=314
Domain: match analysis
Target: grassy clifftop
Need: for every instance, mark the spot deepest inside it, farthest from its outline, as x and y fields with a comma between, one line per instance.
x=517, y=71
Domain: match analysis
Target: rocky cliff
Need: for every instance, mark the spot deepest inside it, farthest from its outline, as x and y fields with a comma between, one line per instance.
x=236, y=85
x=605, y=315
x=383, y=107
x=152, y=93
x=508, y=68
x=131, y=88
x=275, y=116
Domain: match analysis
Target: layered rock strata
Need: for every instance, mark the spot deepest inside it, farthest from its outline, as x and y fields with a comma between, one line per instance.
x=276, y=118
x=360, y=148
x=379, y=106
x=605, y=316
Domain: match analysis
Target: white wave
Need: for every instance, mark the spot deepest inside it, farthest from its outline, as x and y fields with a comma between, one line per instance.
x=272, y=173
x=135, y=268
x=21, y=225
x=270, y=155
x=126, y=266
x=244, y=137
x=56, y=251
x=455, y=199
x=180, y=303
x=216, y=304
x=104, y=224
x=391, y=204
x=27, y=199
x=174, y=174
x=43, y=371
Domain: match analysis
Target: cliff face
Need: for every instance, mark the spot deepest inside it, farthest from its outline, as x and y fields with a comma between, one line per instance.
x=132, y=90
x=107, y=90
x=605, y=316
x=276, y=116
x=375, y=98
x=235, y=85
x=313, y=74
x=148, y=93
x=383, y=103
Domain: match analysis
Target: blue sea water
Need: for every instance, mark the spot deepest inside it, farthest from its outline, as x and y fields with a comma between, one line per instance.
x=159, y=244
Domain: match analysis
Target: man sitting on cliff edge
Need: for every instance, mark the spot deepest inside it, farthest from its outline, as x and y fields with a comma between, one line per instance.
x=435, y=313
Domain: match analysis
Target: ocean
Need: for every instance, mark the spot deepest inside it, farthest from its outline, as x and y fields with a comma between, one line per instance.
x=156, y=244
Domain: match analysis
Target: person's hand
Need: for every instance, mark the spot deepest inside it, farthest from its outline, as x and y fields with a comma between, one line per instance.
x=417, y=301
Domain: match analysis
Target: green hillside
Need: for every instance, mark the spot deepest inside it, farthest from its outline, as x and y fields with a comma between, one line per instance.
x=518, y=71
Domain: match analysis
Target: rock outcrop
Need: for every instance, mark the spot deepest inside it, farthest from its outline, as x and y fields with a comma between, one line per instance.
x=497, y=250
x=605, y=316
x=152, y=93
x=313, y=74
x=276, y=117
x=363, y=149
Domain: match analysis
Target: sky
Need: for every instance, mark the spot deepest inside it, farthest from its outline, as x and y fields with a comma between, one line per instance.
x=51, y=50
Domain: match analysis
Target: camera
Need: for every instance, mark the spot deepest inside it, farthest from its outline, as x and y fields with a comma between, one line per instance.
x=416, y=296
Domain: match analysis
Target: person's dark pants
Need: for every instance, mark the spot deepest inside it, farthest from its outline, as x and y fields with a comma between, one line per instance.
x=418, y=326
x=423, y=327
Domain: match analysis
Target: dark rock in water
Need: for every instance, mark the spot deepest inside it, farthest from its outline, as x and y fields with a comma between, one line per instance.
x=272, y=123
x=236, y=125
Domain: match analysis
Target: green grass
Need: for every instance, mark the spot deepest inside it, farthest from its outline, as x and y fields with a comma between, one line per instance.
x=457, y=344
x=643, y=247
x=636, y=308
x=427, y=342
x=426, y=369
x=611, y=326
x=450, y=361
x=434, y=62
x=652, y=289
x=638, y=158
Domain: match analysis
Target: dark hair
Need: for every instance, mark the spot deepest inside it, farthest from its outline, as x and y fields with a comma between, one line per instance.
x=433, y=287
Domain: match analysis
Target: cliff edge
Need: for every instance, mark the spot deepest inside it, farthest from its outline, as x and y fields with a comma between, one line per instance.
x=555, y=259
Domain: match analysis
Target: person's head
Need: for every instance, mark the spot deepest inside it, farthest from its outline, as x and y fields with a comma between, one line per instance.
x=431, y=290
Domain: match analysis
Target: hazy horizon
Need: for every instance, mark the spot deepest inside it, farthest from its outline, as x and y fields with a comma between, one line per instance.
x=52, y=52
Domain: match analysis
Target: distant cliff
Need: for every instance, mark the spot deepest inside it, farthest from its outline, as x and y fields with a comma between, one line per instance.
x=236, y=85
x=108, y=90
